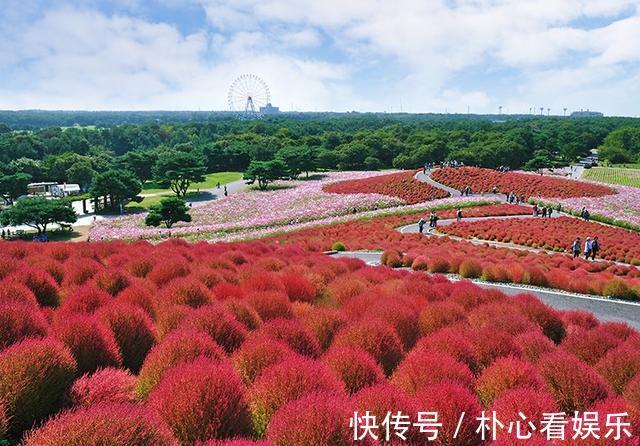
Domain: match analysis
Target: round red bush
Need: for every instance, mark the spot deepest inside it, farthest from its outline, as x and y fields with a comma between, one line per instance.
x=112, y=281
x=217, y=323
x=85, y=299
x=542, y=315
x=111, y=424
x=34, y=376
x=402, y=317
x=506, y=374
x=167, y=270
x=579, y=319
x=318, y=419
x=185, y=291
x=355, y=367
x=451, y=340
x=490, y=344
x=19, y=320
x=202, y=399
x=324, y=323
x=178, y=347
x=271, y=305
x=500, y=316
x=298, y=287
x=293, y=333
x=226, y=290
x=92, y=344
x=534, y=344
x=590, y=345
x=104, y=386
x=439, y=314
x=619, y=366
x=376, y=338
x=258, y=353
x=13, y=291
x=142, y=295
x=133, y=330
x=574, y=384
x=287, y=381
x=41, y=285
x=411, y=375
x=244, y=313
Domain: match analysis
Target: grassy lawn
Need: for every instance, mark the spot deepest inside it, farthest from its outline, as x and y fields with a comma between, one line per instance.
x=613, y=175
x=210, y=182
x=147, y=202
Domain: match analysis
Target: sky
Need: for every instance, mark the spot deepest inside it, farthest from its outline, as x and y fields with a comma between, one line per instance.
x=323, y=55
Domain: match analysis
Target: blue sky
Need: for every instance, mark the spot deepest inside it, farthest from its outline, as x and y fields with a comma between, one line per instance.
x=328, y=55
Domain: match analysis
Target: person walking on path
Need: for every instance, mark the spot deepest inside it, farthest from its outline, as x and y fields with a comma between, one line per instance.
x=575, y=248
x=218, y=185
x=435, y=220
x=544, y=212
x=431, y=219
x=587, y=248
x=459, y=215
x=595, y=247
x=226, y=192
x=535, y=210
x=421, y=225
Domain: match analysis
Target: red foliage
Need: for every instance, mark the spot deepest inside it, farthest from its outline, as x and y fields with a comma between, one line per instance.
x=133, y=330
x=490, y=344
x=402, y=185
x=92, y=344
x=114, y=424
x=113, y=282
x=167, y=270
x=178, y=347
x=299, y=288
x=533, y=403
x=506, y=374
x=13, y=291
x=104, y=386
x=201, y=400
x=185, y=291
x=258, y=353
x=574, y=384
x=323, y=322
x=533, y=345
x=244, y=313
x=271, y=305
x=287, y=381
x=19, y=320
x=34, y=375
x=318, y=419
x=500, y=316
x=293, y=333
x=41, y=284
x=590, y=345
x=619, y=366
x=541, y=314
x=411, y=374
x=226, y=290
x=355, y=367
x=527, y=185
x=217, y=323
x=438, y=315
x=85, y=299
x=452, y=341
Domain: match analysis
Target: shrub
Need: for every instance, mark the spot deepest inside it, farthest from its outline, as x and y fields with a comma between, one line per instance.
x=632, y=397
x=323, y=322
x=344, y=288
x=178, y=347
x=439, y=265
x=533, y=403
x=141, y=295
x=4, y=422
x=41, y=284
x=111, y=424
x=262, y=281
x=201, y=400
x=589, y=345
x=534, y=344
x=271, y=305
x=338, y=246
x=619, y=289
x=410, y=375
x=34, y=375
x=437, y=315
x=318, y=419
x=506, y=374
x=579, y=319
x=420, y=263
x=226, y=290
x=86, y=299
x=258, y=353
x=355, y=367
x=574, y=384
x=298, y=287
x=13, y=291
x=293, y=333
x=19, y=320
x=490, y=344
x=133, y=330
x=376, y=338
x=391, y=258
x=185, y=291
x=244, y=313
x=452, y=341
x=500, y=316
x=92, y=344
x=544, y=316
x=167, y=270
x=288, y=381
x=470, y=269
x=104, y=386
x=112, y=281
x=450, y=400
x=619, y=366
x=217, y=323
x=402, y=317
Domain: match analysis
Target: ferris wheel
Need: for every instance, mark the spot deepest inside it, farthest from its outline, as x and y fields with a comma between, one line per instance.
x=248, y=94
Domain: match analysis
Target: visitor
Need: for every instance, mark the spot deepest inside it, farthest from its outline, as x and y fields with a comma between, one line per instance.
x=583, y=212
x=595, y=247
x=544, y=212
x=587, y=248
x=421, y=225
x=226, y=192
x=218, y=185
x=435, y=220
x=576, y=247
x=431, y=219
x=3, y=234
x=495, y=190
x=459, y=215
x=535, y=210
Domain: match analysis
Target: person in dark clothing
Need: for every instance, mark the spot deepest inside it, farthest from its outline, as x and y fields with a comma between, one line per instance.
x=575, y=248
x=421, y=225
x=226, y=192
x=459, y=215
x=587, y=248
x=435, y=220
x=595, y=247
x=544, y=212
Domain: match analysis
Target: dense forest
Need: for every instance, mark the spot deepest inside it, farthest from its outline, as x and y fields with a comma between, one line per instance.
x=302, y=142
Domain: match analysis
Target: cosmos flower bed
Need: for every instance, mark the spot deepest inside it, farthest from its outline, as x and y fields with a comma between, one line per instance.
x=296, y=202
x=616, y=244
x=402, y=185
x=522, y=184
x=114, y=343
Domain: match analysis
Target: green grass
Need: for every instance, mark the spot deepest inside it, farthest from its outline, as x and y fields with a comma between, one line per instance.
x=210, y=182
x=613, y=175
x=147, y=202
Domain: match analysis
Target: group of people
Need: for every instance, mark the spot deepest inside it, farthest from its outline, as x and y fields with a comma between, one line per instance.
x=452, y=163
x=543, y=212
x=512, y=197
x=584, y=213
x=591, y=247
x=433, y=220
x=466, y=191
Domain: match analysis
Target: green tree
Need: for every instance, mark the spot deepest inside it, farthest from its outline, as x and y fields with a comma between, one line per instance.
x=140, y=162
x=170, y=210
x=298, y=159
x=178, y=170
x=81, y=173
x=541, y=160
x=265, y=172
x=121, y=186
x=38, y=213
x=13, y=186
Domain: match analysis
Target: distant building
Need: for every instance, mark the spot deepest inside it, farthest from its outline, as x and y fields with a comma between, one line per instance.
x=586, y=114
x=269, y=109
x=52, y=189
x=43, y=188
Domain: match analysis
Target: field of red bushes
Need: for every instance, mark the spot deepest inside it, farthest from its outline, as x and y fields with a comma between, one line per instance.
x=522, y=184
x=402, y=185
x=616, y=244
x=271, y=344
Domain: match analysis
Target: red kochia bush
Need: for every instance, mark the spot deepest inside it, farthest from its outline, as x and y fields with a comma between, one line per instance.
x=534, y=344
x=92, y=344
x=532, y=402
x=355, y=367
x=4, y=421
x=544, y=316
x=244, y=313
x=506, y=374
x=34, y=375
x=104, y=386
x=271, y=305
x=298, y=287
x=13, y=291
x=376, y=338
x=490, y=344
x=293, y=333
x=451, y=340
x=167, y=270
x=258, y=353
x=323, y=322
x=111, y=424
x=590, y=345
x=439, y=314
x=85, y=299
x=185, y=291
x=619, y=366
x=133, y=330
x=288, y=381
x=112, y=281
x=319, y=419
x=19, y=320
x=574, y=384
x=178, y=347
x=217, y=323
x=41, y=284
x=201, y=400
x=423, y=368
